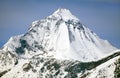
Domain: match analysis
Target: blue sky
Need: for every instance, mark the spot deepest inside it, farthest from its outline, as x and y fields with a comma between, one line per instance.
x=101, y=16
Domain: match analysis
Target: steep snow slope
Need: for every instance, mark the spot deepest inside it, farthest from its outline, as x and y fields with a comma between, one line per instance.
x=62, y=36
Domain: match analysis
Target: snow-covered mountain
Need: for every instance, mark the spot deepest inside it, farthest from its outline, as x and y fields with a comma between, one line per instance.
x=62, y=36
x=59, y=46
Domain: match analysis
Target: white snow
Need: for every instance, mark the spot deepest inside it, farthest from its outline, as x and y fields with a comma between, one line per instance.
x=7, y=61
x=65, y=14
x=105, y=70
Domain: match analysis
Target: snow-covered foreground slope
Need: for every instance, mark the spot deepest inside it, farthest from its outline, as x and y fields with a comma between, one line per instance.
x=41, y=67
x=61, y=36
x=109, y=69
x=7, y=61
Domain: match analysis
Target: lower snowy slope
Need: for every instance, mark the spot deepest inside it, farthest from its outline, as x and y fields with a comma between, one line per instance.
x=109, y=69
x=41, y=67
x=7, y=61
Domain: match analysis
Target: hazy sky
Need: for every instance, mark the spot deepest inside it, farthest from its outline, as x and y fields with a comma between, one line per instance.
x=101, y=16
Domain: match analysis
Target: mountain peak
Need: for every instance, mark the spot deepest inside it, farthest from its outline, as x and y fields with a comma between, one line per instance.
x=61, y=10
x=65, y=14
x=61, y=36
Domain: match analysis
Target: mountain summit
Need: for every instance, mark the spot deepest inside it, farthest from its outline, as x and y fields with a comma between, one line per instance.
x=65, y=14
x=61, y=36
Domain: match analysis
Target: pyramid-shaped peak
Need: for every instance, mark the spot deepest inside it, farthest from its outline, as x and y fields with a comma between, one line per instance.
x=65, y=14
x=62, y=10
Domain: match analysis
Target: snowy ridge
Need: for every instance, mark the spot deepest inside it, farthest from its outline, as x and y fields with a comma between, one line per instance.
x=105, y=70
x=61, y=36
